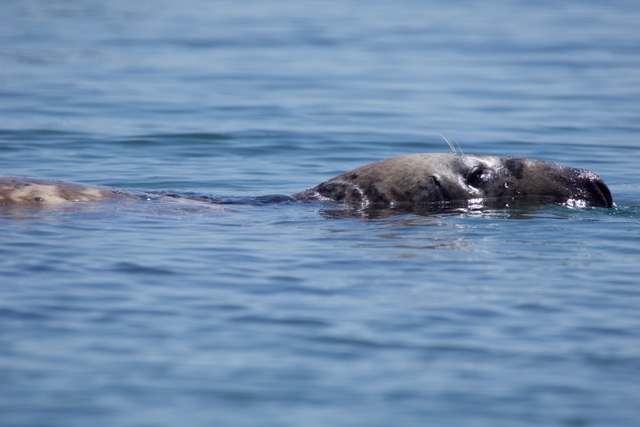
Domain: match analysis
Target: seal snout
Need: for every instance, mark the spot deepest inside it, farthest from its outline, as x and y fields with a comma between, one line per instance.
x=588, y=186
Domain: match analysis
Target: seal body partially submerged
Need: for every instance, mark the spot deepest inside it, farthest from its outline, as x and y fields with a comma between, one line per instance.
x=419, y=180
x=21, y=191
x=411, y=181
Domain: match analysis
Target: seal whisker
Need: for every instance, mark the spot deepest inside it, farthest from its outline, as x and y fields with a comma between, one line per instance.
x=453, y=145
x=449, y=143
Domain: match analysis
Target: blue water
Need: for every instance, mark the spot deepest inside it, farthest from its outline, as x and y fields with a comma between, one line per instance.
x=290, y=314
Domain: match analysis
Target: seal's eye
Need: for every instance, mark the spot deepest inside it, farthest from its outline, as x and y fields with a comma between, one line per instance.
x=477, y=176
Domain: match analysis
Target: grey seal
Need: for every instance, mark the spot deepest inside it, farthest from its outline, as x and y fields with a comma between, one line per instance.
x=412, y=181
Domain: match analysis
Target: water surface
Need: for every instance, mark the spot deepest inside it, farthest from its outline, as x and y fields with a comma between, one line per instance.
x=152, y=314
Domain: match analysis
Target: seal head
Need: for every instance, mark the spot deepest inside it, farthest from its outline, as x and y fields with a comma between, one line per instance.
x=419, y=180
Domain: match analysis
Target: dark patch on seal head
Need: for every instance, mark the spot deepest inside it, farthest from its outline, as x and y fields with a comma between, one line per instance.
x=515, y=167
x=37, y=198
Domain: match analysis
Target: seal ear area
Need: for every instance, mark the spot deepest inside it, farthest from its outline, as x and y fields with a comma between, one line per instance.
x=429, y=190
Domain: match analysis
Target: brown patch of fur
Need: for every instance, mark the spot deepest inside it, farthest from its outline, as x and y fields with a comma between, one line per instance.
x=42, y=192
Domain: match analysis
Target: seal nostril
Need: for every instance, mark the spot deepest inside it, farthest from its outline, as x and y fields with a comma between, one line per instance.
x=599, y=192
x=605, y=192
